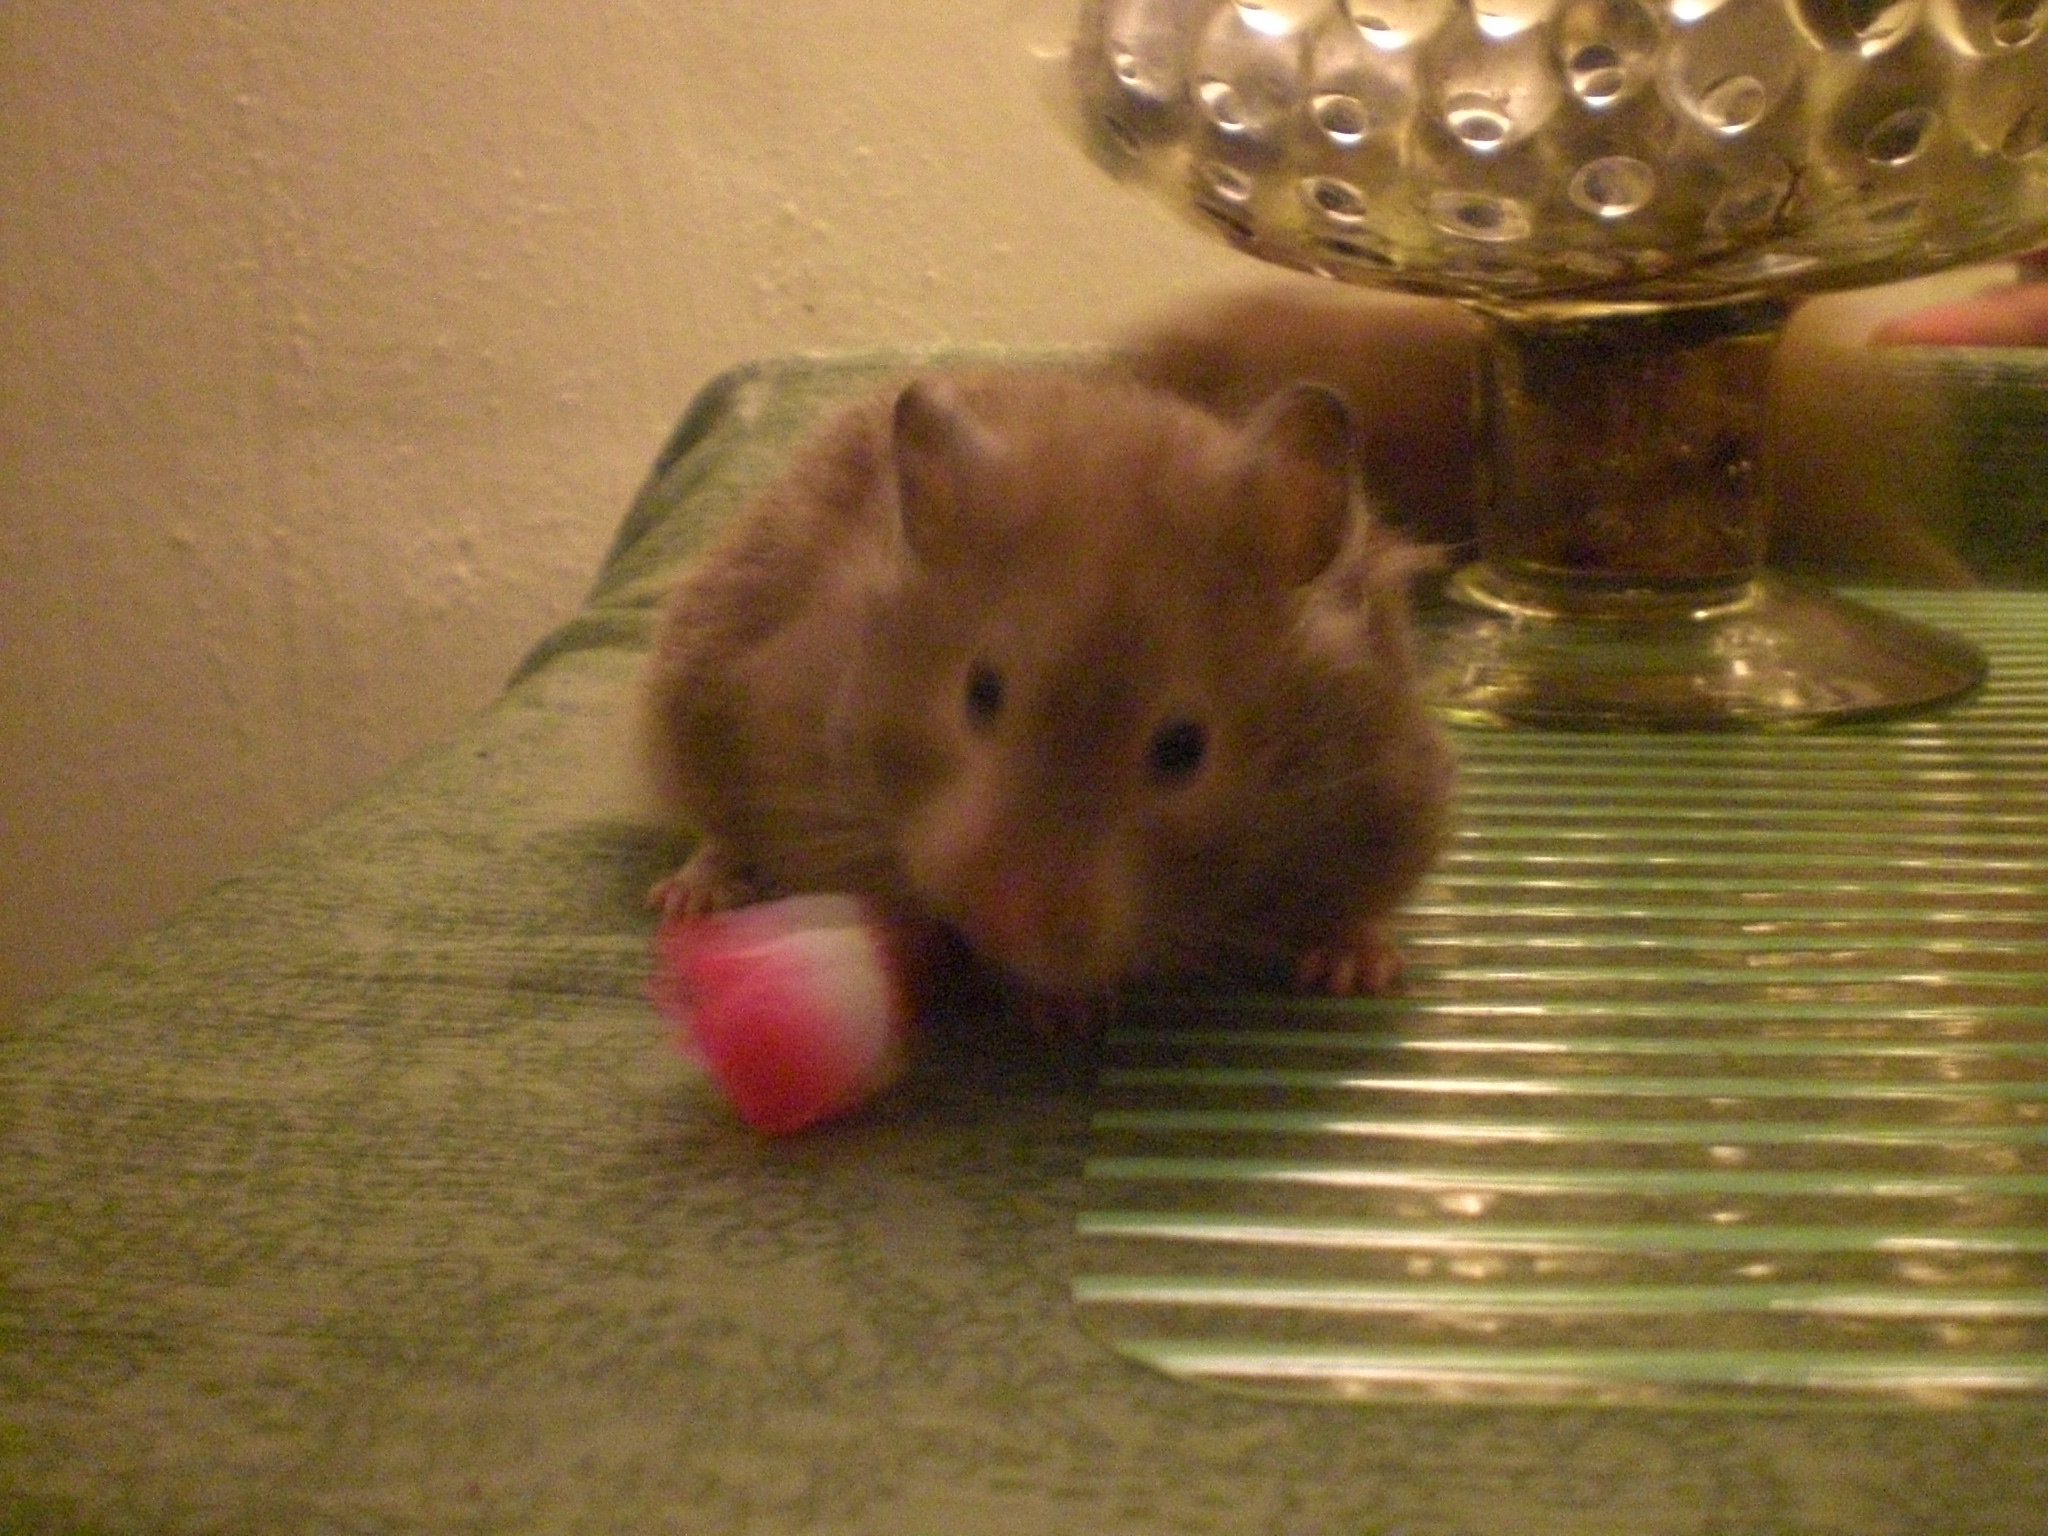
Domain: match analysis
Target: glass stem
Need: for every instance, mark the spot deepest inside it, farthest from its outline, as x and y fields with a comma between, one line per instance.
x=1623, y=460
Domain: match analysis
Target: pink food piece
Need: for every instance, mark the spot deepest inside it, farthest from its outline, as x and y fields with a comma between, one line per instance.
x=799, y=1010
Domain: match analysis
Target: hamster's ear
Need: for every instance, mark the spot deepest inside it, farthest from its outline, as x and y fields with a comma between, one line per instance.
x=1298, y=481
x=941, y=452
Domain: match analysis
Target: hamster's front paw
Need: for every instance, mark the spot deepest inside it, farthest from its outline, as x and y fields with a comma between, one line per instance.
x=1365, y=962
x=702, y=886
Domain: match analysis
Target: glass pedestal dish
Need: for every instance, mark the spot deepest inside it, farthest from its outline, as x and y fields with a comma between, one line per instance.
x=1633, y=193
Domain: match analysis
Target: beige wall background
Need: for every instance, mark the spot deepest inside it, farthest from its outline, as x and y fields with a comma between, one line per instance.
x=336, y=334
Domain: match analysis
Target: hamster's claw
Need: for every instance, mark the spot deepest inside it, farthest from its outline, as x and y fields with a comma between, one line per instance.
x=1365, y=963
x=702, y=886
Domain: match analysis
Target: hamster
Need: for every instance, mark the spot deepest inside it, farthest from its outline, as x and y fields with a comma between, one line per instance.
x=1115, y=690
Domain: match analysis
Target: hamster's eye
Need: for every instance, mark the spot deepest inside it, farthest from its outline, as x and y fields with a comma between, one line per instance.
x=984, y=695
x=1177, y=750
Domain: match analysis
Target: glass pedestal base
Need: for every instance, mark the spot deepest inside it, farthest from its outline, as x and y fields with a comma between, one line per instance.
x=1770, y=654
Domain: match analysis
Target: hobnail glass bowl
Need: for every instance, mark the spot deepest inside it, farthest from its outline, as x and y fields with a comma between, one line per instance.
x=1633, y=193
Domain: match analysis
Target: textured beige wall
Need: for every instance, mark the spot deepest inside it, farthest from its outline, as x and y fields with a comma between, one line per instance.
x=335, y=335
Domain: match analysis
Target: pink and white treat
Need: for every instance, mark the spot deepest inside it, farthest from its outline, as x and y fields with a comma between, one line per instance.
x=799, y=1010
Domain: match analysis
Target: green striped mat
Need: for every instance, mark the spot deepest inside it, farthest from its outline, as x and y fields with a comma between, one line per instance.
x=1722, y=1074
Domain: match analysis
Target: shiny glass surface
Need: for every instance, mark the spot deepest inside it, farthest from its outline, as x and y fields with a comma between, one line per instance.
x=1531, y=154
x=1633, y=193
x=1721, y=1077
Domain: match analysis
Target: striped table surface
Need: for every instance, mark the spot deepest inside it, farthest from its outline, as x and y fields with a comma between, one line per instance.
x=1722, y=1074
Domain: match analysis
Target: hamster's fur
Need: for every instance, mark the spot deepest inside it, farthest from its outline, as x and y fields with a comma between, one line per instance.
x=1114, y=688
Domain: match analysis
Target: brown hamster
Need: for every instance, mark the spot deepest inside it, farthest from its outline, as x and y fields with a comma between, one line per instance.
x=1112, y=688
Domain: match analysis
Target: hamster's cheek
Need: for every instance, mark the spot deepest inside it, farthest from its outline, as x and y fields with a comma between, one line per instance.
x=904, y=752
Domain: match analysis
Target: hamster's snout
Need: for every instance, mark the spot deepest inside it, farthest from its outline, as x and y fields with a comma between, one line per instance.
x=1024, y=921
x=1052, y=925
x=1052, y=899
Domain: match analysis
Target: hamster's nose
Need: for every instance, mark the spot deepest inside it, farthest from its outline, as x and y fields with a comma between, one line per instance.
x=1044, y=926
x=1008, y=915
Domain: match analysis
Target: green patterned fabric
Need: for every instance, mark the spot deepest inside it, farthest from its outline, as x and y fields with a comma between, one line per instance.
x=368, y=1197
